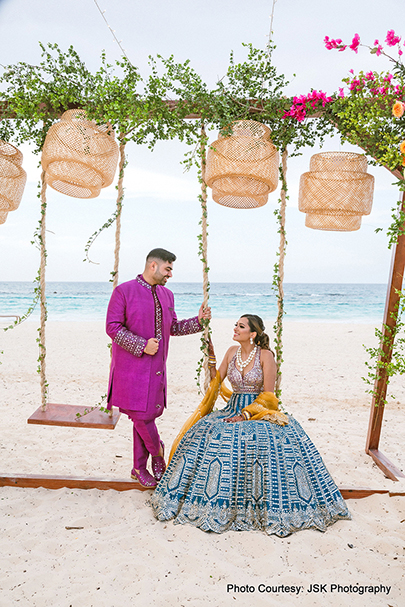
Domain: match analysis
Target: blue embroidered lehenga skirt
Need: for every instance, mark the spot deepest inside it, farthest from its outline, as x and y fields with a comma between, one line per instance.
x=248, y=475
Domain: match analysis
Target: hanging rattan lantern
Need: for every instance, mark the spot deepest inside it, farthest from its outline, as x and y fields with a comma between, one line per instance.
x=79, y=156
x=12, y=179
x=336, y=192
x=242, y=168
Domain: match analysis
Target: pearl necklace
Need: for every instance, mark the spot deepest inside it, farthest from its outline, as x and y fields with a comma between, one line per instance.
x=244, y=363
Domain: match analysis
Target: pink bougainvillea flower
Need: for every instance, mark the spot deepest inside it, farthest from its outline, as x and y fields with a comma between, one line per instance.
x=298, y=110
x=398, y=110
x=351, y=71
x=377, y=48
x=392, y=39
x=399, y=52
x=341, y=92
x=355, y=43
x=370, y=76
x=332, y=44
x=402, y=147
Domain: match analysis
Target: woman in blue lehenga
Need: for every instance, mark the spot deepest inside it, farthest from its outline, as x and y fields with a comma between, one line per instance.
x=249, y=466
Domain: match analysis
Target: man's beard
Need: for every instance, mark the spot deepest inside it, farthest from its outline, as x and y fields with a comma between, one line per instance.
x=160, y=279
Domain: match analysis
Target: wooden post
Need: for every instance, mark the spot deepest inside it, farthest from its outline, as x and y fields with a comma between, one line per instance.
x=380, y=386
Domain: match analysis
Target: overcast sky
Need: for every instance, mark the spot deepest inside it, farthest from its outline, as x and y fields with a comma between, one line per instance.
x=161, y=206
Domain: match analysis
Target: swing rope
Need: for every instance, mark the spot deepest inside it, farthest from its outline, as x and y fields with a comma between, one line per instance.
x=41, y=330
x=120, y=198
x=280, y=281
x=203, y=253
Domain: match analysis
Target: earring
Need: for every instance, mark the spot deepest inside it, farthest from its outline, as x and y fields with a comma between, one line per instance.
x=251, y=341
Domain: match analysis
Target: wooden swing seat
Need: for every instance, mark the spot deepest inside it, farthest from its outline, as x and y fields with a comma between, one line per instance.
x=65, y=415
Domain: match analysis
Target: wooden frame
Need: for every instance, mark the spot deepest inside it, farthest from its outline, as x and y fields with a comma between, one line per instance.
x=35, y=481
x=390, y=319
x=380, y=386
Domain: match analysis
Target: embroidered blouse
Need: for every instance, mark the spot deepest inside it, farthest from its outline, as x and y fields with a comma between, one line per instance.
x=252, y=382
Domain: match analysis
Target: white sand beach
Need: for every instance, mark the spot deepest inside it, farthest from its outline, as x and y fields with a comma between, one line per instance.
x=120, y=555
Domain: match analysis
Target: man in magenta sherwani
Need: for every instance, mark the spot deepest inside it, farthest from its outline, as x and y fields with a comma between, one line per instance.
x=140, y=320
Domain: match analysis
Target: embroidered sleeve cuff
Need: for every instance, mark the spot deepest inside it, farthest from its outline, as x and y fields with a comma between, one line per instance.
x=130, y=342
x=185, y=327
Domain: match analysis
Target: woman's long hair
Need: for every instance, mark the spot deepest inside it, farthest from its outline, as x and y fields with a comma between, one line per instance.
x=256, y=324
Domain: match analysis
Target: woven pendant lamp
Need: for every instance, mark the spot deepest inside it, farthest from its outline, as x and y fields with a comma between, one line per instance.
x=242, y=168
x=79, y=156
x=336, y=192
x=12, y=179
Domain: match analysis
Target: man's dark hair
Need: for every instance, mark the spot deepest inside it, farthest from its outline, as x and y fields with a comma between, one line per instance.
x=162, y=255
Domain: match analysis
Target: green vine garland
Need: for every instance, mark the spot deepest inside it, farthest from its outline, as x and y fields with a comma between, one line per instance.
x=143, y=109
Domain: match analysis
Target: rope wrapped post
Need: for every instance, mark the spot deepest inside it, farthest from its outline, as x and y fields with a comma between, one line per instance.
x=120, y=198
x=41, y=330
x=203, y=253
x=280, y=274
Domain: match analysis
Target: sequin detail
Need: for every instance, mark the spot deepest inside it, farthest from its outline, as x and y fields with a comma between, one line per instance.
x=135, y=344
x=158, y=314
x=248, y=475
x=185, y=327
x=143, y=282
x=252, y=382
x=178, y=327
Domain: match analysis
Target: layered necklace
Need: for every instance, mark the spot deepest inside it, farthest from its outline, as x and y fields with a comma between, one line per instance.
x=244, y=363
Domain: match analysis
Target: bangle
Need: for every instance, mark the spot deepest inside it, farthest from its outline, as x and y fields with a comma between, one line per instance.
x=245, y=415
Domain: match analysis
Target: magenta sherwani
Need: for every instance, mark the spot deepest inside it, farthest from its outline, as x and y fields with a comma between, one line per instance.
x=137, y=312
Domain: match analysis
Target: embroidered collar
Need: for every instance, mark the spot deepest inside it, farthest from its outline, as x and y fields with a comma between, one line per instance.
x=143, y=282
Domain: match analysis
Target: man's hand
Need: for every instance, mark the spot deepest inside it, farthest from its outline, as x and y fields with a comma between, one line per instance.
x=152, y=346
x=204, y=313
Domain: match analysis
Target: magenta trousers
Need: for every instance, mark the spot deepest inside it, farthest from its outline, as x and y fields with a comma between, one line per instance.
x=146, y=439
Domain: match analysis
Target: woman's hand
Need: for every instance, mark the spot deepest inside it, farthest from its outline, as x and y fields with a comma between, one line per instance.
x=236, y=418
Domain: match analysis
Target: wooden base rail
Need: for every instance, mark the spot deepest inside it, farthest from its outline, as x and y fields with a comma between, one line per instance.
x=35, y=481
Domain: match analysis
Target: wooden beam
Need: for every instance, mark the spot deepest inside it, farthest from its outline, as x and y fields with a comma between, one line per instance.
x=65, y=415
x=35, y=481
x=380, y=386
x=397, y=493
x=356, y=493
x=385, y=465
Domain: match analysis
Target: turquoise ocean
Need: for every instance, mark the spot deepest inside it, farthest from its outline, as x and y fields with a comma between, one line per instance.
x=88, y=301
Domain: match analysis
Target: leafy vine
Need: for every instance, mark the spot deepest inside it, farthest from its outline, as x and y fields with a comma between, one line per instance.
x=277, y=283
x=388, y=358
x=164, y=104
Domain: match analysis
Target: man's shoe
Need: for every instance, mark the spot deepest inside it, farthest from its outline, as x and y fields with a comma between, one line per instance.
x=158, y=464
x=144, y=478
